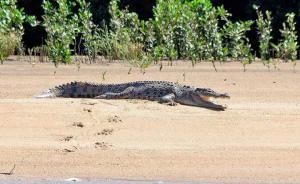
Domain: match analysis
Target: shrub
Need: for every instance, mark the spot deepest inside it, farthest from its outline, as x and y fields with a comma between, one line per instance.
x=125, y=39
x=288, y=45
x=172, y=27
x=210, y=33
x=235, y=42
x=11, y=27
x=194, y=4
x=264, y=28
x=90, y=33
x=61, y=27
x=8, y=43
x=12, y=18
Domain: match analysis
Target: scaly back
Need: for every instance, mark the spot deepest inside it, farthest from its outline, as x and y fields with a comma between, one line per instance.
x=91, y=90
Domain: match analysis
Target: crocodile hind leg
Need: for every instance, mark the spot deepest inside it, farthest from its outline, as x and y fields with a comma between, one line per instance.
x=122, y=95
x=168, y=99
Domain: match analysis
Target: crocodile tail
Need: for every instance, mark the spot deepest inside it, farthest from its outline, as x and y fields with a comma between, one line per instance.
x=71, y=90
x=57, y=91
x=46, y=94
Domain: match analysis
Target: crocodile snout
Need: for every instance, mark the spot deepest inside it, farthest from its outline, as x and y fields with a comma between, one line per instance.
x=224, y=95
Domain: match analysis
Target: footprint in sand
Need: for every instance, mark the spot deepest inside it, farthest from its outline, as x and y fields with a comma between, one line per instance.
x=114, y=119
x=107, y=131
x=78, y=124
x=67, y=138
x=87, y=109
x=103, y=145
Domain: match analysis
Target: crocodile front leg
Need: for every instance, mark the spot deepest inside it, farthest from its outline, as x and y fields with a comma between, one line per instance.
x=168, y=99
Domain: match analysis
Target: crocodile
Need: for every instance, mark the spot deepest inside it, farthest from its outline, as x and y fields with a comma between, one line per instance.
x=161, y=91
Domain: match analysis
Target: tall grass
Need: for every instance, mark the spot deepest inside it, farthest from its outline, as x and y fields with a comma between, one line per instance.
x=8, y=44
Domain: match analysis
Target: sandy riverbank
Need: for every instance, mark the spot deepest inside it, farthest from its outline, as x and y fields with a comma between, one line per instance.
x=255, y=140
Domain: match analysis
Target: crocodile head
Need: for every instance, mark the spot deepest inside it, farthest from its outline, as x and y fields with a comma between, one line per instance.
x=201, y=97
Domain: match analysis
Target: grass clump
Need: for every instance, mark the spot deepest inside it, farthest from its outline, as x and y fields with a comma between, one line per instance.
x=8, y=44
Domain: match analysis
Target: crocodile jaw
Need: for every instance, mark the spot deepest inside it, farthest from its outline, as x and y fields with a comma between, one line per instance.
x=208, y=100
x=205, y=98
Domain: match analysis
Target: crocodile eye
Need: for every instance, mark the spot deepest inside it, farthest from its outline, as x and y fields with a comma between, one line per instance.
x=206, y=90
x=199, y=90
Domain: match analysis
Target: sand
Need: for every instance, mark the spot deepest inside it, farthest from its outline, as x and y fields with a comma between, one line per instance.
x=256, y=140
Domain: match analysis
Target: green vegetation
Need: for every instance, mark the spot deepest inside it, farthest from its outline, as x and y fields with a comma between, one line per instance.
x=264, y=30
x=191, y=30
x=288, y=45
x=8, y=43
x=236, y=43
x=12, y=18
x=210, y=36
x=61, y=26
x=11, y=27
x=89, y=32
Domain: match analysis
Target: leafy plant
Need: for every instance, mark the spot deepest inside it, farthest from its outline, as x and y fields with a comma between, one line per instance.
x=61, y=26
x=210, y=33
x=288, y=45
x=88, y=30
x=145, y=62
x=236, y=43
x=11, y=27
x=172, y=28
x=12, y=18
x=126, y=37
x=264, y=30
x=194, y=4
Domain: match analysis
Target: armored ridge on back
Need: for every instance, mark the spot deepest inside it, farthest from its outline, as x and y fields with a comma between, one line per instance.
x=161, y=91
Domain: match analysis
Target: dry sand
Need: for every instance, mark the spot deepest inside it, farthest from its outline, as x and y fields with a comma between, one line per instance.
x=256, y=140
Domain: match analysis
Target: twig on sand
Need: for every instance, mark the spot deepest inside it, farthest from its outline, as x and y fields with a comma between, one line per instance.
x=11, y=172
